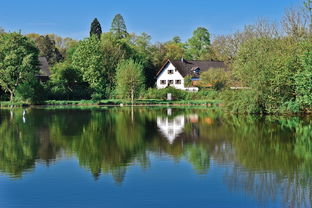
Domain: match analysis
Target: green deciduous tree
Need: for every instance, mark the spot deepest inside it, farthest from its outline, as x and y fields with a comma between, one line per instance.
x=303, y=80
x=113, y=53
x=67, y=82
x=88, y=58
x=188, y=81
x=96, y=28
x=218, y=78
x=174, y=51
x=176, y=39
x=18, y=61
x=199, y=44
x=118, y=27
x=129, y=79
x=268, y=66
x=30, y=91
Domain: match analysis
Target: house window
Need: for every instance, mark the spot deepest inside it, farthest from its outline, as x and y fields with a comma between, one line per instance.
x=178, y=81
x=163, y=82
x=170, y=82
x=170, y=71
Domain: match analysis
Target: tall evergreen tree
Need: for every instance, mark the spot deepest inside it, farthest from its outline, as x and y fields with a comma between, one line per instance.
x=119, y=27
x=96, y=28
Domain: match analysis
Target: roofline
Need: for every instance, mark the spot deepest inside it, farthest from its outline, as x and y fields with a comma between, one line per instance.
x=168, y=60
x=198, y=60
x=162, y=68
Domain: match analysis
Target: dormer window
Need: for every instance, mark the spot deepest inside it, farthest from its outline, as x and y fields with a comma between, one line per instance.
x=170, y=71
x=196, y=70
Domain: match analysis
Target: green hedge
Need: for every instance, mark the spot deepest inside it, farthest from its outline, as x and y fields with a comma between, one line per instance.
x=203, y=94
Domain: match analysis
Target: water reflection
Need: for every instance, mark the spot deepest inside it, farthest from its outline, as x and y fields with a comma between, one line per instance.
x=268, y=158
x=171, y=127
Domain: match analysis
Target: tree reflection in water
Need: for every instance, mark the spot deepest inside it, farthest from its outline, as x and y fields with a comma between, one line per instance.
x=265, y=157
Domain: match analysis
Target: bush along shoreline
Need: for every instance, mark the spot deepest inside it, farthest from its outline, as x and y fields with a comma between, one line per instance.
x=112, y=102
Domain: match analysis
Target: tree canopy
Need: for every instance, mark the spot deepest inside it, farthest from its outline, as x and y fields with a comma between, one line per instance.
x=88, y=58
x=48, y=49
x=96, y=28
x=199, y=44
x=118, y=27
x=18, y=61
x=129, y=79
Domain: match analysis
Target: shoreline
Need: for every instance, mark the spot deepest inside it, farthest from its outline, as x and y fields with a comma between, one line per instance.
x=49, y=103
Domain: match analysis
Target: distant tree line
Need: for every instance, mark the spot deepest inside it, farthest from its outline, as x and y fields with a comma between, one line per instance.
x=89, y=68
x=270, y=61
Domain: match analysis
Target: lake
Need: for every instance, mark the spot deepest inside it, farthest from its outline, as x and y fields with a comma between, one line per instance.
x=153, y=157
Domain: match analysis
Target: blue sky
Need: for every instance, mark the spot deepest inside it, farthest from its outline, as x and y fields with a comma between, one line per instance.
x=162, y=19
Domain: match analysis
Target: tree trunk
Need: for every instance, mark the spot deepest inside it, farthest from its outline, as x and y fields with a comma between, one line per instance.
x=11, y=96
x=132, y=95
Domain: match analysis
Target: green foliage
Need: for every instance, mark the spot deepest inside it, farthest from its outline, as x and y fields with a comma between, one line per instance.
x=176, y=39
x=66, y=83
x=303, y=81
x=118, y=27
x=208, y=95
x=267, y=66
x=242, y=101
x=174, y=51
x=198, y=46
x=129, y=79
x=188, y=81
x=89, y=59
x=18, y=61
x=48, y=49
x=31, y=91
x=96, y=28
x=153, y=93
x=218, y=78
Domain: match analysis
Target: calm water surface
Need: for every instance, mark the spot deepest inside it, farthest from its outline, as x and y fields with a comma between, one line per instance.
x=153, y=157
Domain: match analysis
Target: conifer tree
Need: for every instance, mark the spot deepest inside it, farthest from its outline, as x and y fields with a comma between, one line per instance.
x=118, y=27
x=96, y=28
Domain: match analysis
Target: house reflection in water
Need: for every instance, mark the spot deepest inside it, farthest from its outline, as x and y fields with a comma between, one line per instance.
x=172, y=128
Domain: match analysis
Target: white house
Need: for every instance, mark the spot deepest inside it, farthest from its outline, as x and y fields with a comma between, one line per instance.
x=173, y=72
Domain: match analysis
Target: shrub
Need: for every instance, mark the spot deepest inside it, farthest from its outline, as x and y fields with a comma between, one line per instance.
x=153, y=93
x=218, y=78
x=31, y=92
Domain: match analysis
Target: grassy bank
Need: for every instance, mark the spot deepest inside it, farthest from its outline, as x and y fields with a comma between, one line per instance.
x=116, y=102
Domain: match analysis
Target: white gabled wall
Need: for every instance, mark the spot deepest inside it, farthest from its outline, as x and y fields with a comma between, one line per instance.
x=175, y=76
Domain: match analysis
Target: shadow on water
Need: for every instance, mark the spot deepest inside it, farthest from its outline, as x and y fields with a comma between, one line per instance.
x=267, y=157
